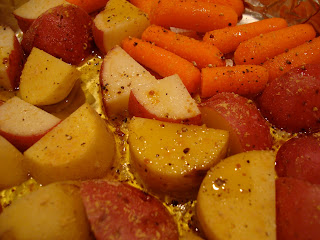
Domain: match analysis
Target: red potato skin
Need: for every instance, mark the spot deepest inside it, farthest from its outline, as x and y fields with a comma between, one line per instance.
x=119, y=211
x=22, y=143
x=137, y=109
x=64, y=31
x=292, y=101
x=243, y=118
x=297, y=209
x=16, y=62
x=23, y=23
x=299, y=158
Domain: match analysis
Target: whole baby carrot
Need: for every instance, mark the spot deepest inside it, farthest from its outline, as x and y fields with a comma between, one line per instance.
x=192, y=15
x=237, y=5
x=306, y=53
x=163, y=62
x=200, y=53
x=246, y=80
x=89, y=5
x=144, y=5
x=229, y=38
x=260, y=48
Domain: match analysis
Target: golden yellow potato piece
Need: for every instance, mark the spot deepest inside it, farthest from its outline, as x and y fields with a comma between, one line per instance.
x=173, y=158
x=51, y=212
x=12, y=170
x=45, y=79
x=80, y=147
x=236, y=199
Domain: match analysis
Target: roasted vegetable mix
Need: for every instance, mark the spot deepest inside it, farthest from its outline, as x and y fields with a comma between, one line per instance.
x=146, y=119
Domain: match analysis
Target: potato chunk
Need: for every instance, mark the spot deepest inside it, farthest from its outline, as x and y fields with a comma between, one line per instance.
x=236, y=199
x=45, y=79
x=12, y=171
x=51, y=212
x=173, y=158
x=80, y=147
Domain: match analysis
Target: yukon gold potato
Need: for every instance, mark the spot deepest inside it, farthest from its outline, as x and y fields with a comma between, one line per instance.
x=46, y=80
x=240, y=116
x=166, y=100
x=118, y=72
x=173, y=158
x=236, y=199
x=80, y=147
x=52, y=212
x=12, y=170
x=119, y=19
x=64, y=31
x=31, y=10
x=23, y=124
x=11, y=59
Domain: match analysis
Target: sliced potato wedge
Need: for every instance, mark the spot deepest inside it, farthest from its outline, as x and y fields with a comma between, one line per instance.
x=236, y=199
x=80, y=147
x=173, y=158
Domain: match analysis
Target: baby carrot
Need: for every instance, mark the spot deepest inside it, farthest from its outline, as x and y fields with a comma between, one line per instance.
x=229, y=38
x=163, y=62
x=192, y=15
x=260, y=48
x=89, y=5
x=200, y=53
x=305, y=53
x=246, y=80
x=144, y=5
x=237, y=5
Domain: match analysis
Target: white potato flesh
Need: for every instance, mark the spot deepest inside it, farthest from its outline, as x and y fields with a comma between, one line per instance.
x=236, y=199
x=52, y=212
x=6, y=47
x=34, y=8
x=12, y=170
x=80, y=147
x=46, y=80
x=167, y=98
x=173, y=158
x=120, y=19
x=119, y=72
x=21, y=118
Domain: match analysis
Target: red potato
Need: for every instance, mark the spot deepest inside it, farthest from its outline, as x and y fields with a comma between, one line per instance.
x=165, y=100
x=28, y=12
x=117, y=210
x=292, y=101
x=11, y=59
x=297, y=209
x=89, y=5
x=64, y=32
x=240, y=116
x=23, y=124
x=299, y=158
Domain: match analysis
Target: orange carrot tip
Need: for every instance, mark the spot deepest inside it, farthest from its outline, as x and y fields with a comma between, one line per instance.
x=192, y=15
x=163, y=62
x=201, y=54
x=306, y=53
x=236, y=5
x=260, y=48
x=245, y=80
x=144, y=5
x=229, y=38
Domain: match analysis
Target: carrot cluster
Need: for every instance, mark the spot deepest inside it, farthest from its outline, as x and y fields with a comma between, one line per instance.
x=259, y=51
